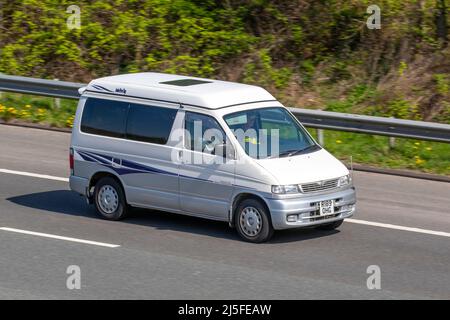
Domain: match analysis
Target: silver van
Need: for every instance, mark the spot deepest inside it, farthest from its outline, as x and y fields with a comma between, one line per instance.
x=207, y=148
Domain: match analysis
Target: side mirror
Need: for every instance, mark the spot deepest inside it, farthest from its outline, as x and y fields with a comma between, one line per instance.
x=225, y=150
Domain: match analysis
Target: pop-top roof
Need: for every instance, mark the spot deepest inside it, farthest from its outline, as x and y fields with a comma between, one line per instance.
x=200, y=92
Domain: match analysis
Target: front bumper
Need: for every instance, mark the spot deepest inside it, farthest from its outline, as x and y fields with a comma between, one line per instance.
x=306, y=211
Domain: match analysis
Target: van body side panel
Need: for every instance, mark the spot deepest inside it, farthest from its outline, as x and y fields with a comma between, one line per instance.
x=148, y=174
x=146, y=170
x=206, y=187
x=151, y=178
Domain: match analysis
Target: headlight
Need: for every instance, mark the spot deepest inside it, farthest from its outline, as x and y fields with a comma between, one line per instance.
x=343, y=181
x=289, y=189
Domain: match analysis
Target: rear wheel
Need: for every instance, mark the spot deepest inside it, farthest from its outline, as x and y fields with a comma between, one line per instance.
x=109, y=199
x=253, y=221
x=330, y=226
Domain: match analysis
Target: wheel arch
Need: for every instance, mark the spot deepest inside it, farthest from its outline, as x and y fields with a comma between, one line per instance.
x=238, y=198
x=96, y=178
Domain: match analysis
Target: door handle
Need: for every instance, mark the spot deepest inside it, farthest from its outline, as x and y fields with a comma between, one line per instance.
x=116, y=163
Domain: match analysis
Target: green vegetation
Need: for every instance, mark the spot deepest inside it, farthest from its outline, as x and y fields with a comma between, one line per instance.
x=426, y=156
x=310, y=54
x=34, y=109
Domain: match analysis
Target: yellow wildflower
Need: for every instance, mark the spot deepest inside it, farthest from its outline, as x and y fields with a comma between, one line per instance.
x=69, y=122
x=419, y=161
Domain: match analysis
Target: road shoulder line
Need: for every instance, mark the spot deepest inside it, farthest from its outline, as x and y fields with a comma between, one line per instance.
x=34, y=175
x=53, y=236
x=397, y=227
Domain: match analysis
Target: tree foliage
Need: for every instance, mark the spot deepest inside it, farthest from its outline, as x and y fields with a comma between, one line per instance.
x=289, y=46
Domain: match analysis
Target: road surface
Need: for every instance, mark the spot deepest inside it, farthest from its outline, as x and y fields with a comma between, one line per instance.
x=402, y=225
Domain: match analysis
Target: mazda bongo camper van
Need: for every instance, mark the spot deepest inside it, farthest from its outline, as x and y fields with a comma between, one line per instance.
x=206, y=148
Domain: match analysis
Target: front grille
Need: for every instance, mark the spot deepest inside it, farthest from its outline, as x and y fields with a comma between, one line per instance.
x=319, y=186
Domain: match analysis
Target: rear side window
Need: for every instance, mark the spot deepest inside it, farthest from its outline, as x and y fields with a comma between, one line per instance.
x=150, y=124
x=104, y=117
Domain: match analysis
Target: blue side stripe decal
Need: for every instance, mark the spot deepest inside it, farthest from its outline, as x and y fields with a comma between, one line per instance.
x=96, y=158
x=127, y=167
x=98, y=87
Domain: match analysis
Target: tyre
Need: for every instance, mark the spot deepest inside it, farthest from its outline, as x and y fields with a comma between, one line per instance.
x=330, y=226
x=253, y=222
x=109, y=199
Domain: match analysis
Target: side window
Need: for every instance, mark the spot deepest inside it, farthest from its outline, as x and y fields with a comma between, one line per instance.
x=150, y=124
x=202, y=133
x=104, y=117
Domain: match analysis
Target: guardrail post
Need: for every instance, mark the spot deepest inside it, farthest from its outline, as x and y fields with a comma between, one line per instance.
x=320, y=137
x=391, y=141
x=57, y=101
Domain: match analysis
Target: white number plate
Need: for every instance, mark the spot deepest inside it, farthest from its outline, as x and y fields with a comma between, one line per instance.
x=326, y=207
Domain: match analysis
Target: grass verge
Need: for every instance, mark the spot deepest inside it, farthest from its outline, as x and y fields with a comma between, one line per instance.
x=424, y=156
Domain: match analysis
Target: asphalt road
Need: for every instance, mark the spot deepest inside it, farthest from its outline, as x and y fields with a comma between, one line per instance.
x=166, y=256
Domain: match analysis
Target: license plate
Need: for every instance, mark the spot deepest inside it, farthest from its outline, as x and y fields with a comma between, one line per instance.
x=326, y=207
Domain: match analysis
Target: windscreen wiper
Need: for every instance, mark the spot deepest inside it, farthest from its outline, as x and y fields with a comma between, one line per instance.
x=308, y=148
x=292, y=152
x=287, y=153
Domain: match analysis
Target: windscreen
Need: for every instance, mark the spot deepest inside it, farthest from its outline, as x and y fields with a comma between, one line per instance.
x=269, y=133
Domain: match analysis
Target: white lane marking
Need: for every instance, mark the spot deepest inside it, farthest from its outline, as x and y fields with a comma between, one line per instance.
x=396, y=227
x=53, y=236
x=34, y=175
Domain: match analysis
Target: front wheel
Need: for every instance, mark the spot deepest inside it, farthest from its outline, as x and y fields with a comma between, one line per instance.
x=330, y=226
x=253, y=221
x=109, y=199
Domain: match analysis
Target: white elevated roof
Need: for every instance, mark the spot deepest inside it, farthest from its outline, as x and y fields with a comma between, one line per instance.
x=200, y=92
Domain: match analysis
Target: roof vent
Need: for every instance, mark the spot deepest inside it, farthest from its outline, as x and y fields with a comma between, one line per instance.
x=185, y=82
